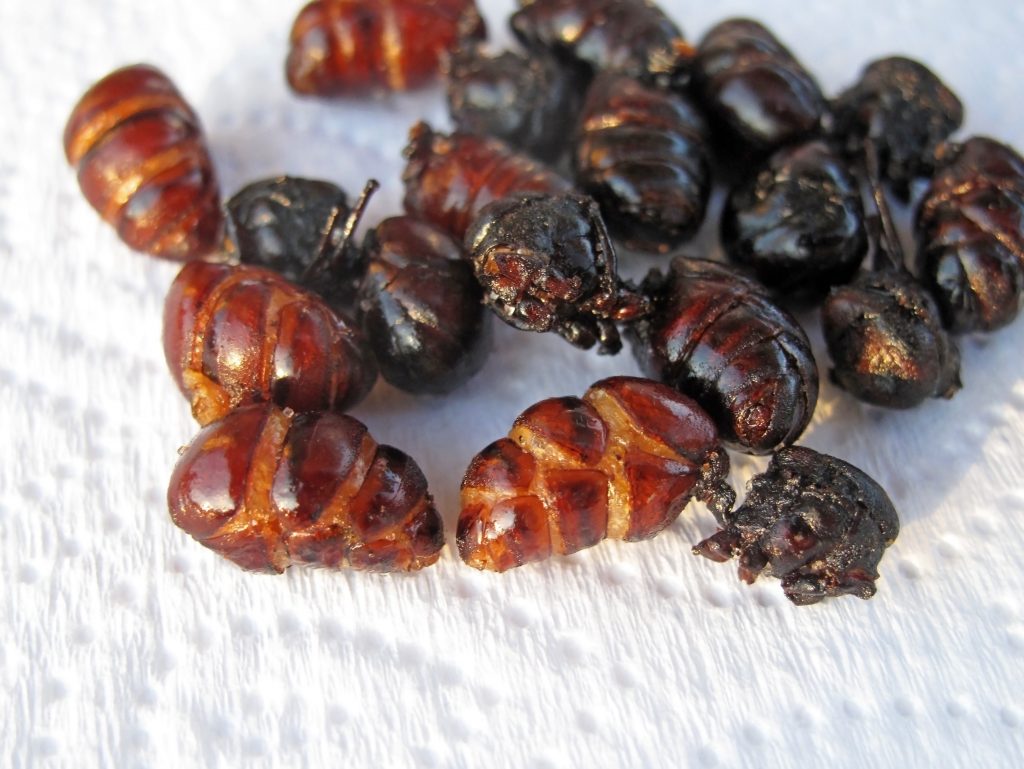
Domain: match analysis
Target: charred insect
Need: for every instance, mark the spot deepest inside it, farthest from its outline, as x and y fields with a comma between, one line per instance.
x=905, y=111
x=751, y=83
x=143, y=164
x=884, y=331
x=970, y=235
x=620, y=463
x=422, y=308
x=818, y=523
x=268, y=488
x=522, y=100
x=717, y=337
x=448, y=179
x=546, y=264
x=798, y=222
x=341, y=47
x=887, y=343
x=633, y=37
x=291, y=226
x=237, y=334
x=641, y=152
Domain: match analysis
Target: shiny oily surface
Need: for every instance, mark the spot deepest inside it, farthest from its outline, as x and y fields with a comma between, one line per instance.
x=284, y=223
x=450, y=178
x=235, y=335
x=817, y=523
x=751, y=84
x=522, y=99
x=970, y=235
x=634, y=37
x=642, y=153
x=798, y=222
x=345, y=47
x=717, y=337
x=421, y=307
x=905, y=110
x=637, y=655
x=143, y=164
x=621, y=462
x=546, y=263
x=267, y=488
x=886, y=341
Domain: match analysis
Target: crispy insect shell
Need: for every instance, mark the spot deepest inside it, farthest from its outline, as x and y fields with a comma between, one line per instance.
x=642, y=153
x=717, y=336
x=970, y=235
x=798, y=222
x=818, y=523
x=449, y=179
x=422, y=308
x=621, y=462
x=238, y=334
x=886, y=341
x=267, y=488
x=634, y=37
x=143, y=164
x=342, y=47
x=752, y=85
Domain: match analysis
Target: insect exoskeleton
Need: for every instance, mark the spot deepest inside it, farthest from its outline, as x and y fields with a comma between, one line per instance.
x=449, y=178
x=818, y=523
x=342, y=47
x=642, y=153
x=621, y=462
x=266, y=488
x=718, y=337
x=970, y=235
x=235, y=335
x=144, y=165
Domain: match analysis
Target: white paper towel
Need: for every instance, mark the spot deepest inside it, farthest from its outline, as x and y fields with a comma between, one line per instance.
x=125, y=644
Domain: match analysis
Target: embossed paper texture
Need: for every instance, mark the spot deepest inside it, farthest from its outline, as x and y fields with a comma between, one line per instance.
x=123, y=643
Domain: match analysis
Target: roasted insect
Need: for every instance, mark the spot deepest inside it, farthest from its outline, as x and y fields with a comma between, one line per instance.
x=905, y=111
x=448, y=179
x=341, y=47
x=268, y=488
x=753, y=86
x=798, y=222
x=522, y=100
x=717, y=337
x=970, y=235
x=633, y=37
x=143, y=164
x=887, y=343
x=641, y=152
x=422, y=308
x=302, y=229
x=818, y=523
x=238, y=335
x=620, y=463
x=546, y=264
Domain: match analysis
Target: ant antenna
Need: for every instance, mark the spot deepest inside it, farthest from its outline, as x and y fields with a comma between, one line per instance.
x=328, y=257
x=892, y=247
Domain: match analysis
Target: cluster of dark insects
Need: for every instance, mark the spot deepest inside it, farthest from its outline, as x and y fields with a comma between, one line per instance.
x=281, y=320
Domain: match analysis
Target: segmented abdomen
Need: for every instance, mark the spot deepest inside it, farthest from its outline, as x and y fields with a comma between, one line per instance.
x=633, y=37
x=349, y=46
x=717, y=337
x=239, y=335
x=641, y=152
x=267, y=488
x=448, y=179
x=143, y=164
x=621, y=462
x=749, y=80
x=970, y=235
